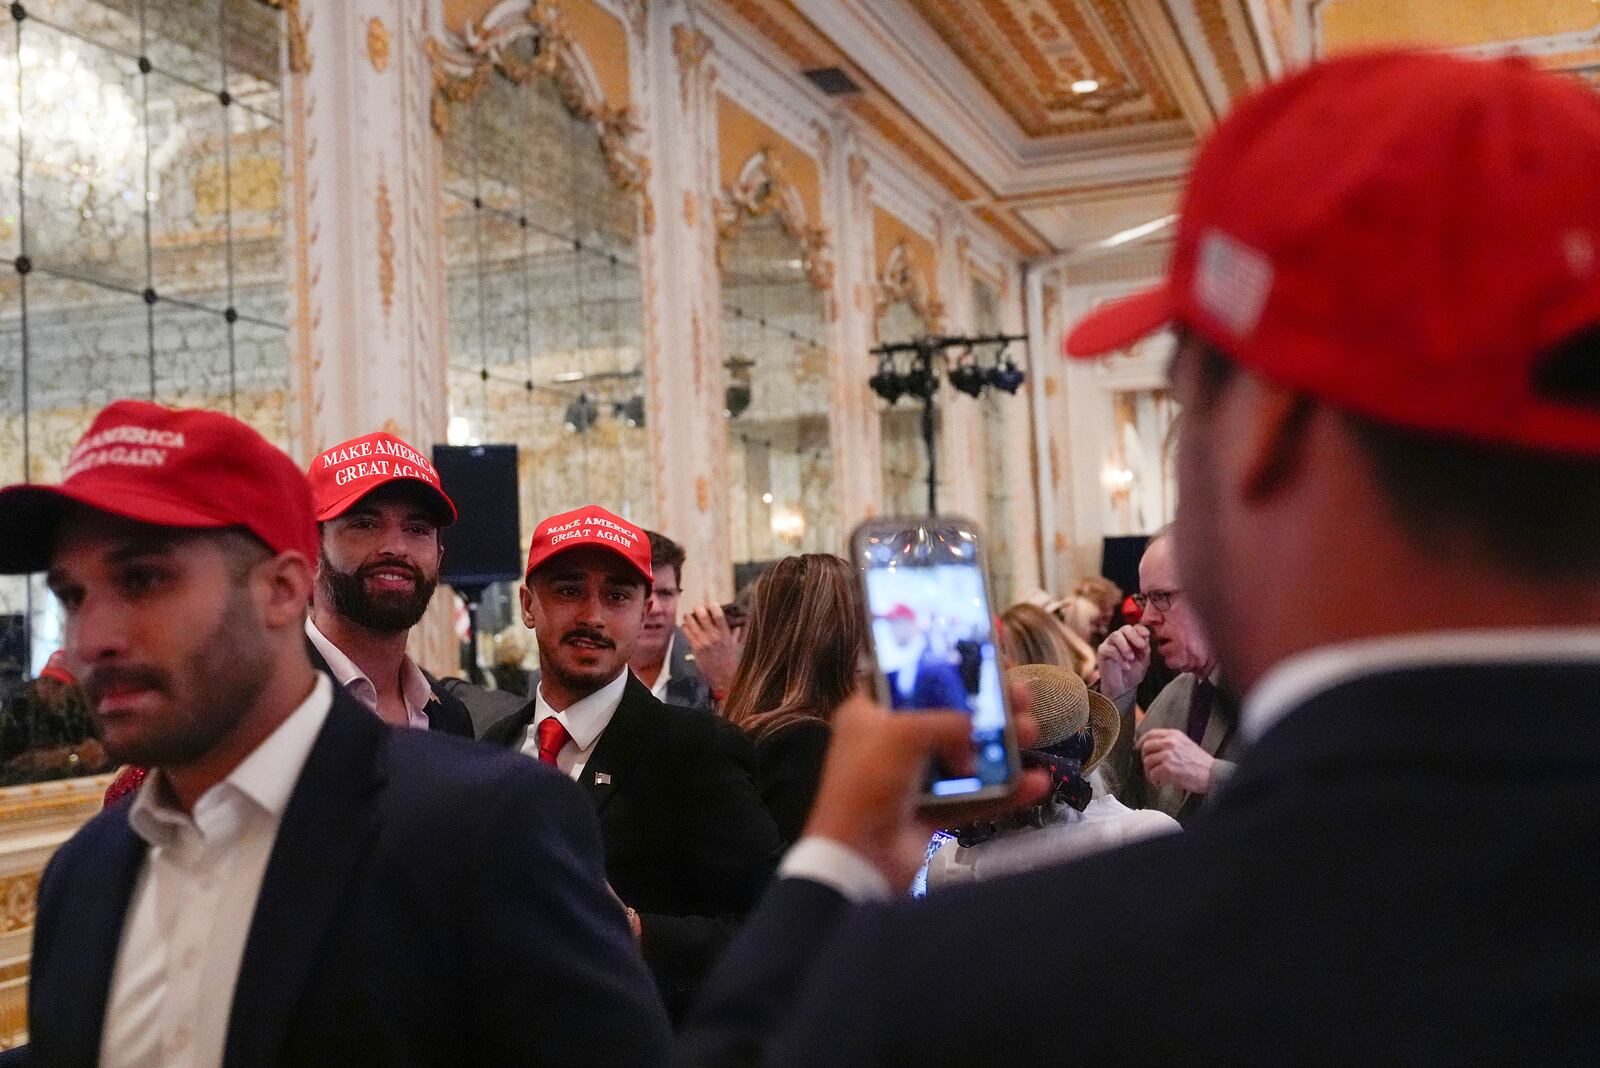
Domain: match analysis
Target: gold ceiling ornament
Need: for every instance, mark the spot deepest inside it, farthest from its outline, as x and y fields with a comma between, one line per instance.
x=900, y=280
x=1096, y=101
x=296, y=29
x=764, y=189
x=378, y=44
x=461, y=73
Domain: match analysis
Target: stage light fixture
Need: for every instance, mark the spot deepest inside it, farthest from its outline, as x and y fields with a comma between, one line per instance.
x=1007, y=378
x=582, y=414
x=968, y=378
x=886, y=384
x=737, y=400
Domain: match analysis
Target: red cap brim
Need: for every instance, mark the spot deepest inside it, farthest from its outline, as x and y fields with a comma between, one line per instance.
x=1119, y=323
x=34, y=512
x=339, y=507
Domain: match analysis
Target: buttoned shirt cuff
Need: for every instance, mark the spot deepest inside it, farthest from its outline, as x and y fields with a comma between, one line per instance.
x=836, y=866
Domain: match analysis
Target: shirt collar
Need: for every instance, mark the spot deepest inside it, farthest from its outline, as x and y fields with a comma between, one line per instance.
x=414, y=688
x=267, y=776
x=660, y=688
x=1296, y=680
x=587, y=718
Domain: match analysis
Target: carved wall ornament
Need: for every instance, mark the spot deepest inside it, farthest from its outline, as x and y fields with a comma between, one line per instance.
x=296, y=30
x=378, y=44
x=764, y=189
x=901, y=280
x=386, y=246
x=461, y=72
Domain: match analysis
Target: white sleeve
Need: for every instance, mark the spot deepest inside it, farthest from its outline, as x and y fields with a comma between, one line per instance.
x=822, y=860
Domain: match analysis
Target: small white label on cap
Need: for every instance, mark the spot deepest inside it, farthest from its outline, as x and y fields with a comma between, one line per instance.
x=1232, y=281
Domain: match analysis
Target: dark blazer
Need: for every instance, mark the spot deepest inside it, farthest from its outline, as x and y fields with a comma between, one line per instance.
x=1400, y=872
x=425, y=903
x=446, y=712
x=788, y=769
x=687, y=687
x=687, y=841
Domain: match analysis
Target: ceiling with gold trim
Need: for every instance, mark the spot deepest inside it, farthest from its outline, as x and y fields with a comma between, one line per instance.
x=1067, y=124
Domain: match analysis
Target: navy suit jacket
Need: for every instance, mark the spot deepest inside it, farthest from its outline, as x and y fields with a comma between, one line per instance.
x=687, y=840
x=1402, y=871
x=427, y=902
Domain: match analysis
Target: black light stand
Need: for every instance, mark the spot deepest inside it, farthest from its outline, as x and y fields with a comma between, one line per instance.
x=921, y=380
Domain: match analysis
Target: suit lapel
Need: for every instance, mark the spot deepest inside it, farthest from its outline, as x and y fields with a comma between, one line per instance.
x=99, y=911
x=619, y=746
x=323, y=838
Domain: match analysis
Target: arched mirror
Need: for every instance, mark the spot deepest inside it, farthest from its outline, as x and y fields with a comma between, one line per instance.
x=142, y=237
x=774, y=330
x=545, y=320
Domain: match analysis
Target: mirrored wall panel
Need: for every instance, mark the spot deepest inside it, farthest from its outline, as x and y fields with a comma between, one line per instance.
x=141, y=255
x=780, y=461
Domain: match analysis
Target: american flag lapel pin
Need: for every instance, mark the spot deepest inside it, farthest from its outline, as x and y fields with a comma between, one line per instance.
x=602, y=778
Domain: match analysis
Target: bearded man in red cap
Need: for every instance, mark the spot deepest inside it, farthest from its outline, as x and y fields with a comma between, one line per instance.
x=380, y=508
x=293, y=878
x=1386, y=288
x=689, y=844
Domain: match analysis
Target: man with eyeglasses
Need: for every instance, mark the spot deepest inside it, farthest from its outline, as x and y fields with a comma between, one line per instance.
x=1186, y=745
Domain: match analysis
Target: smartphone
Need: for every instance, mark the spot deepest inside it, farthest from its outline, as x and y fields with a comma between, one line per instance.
x=933, y=640
x=734, y=613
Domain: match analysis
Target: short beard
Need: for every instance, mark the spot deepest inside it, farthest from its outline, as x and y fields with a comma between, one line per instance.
x=227, y=673
x=381, y=615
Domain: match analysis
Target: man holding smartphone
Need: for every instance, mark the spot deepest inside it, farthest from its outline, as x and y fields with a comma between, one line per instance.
x=1386, y=287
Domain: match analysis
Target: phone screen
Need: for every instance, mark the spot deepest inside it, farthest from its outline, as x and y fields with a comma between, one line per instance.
x=933, y=637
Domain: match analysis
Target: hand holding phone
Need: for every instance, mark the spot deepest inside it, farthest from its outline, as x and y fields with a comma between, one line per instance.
x=932, y=627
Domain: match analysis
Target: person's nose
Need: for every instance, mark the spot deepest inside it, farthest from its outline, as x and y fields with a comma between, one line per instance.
x=97, y=632
x=589, y=613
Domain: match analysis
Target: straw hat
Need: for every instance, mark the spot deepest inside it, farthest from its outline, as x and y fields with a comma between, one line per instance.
x=1063, y=706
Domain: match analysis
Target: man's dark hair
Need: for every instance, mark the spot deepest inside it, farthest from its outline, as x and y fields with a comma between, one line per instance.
x=664, y=552
x=1536, y=513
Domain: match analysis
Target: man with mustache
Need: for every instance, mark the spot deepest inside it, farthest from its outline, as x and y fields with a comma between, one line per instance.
x=295, y=882
x=689, y=845
x=379, y=512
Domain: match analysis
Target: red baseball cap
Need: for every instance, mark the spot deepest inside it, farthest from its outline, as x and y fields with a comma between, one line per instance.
x=171, y=467
x=591, y=526
x=344, y=474
x=1406, y=236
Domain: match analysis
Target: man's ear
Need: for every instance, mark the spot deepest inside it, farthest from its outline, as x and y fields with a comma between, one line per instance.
x=286, y=580
x=527, y=607
x=1268, y=426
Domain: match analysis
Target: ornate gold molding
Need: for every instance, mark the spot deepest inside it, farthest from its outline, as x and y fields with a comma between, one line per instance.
x=764, y=189
x=296, y=29
x=378, y=44
x=899, y=280
x=690, y=47
x=386, y=246
x=459, y=75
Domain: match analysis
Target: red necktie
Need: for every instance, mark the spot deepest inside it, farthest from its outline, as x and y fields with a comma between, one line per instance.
x=552, y=736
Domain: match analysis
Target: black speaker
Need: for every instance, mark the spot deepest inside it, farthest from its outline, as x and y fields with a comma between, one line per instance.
x=1119, y=560
x=485, y=544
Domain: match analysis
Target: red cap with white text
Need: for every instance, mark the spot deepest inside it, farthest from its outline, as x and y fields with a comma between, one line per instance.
x=344, y=474
x=1411, y=237
x=590, y=526
x=170, y=467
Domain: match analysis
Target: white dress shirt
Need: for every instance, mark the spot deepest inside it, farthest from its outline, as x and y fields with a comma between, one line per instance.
x=1105, y=823
x=1287, y=686
x=585, y=721
x=187, y=922
x=414, y=688
x=660, y=688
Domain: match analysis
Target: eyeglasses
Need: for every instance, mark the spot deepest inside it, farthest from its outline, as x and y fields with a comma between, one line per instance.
x=1162, y=599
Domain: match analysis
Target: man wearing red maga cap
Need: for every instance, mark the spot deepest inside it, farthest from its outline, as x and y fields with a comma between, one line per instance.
x=379, y=509
x=258, y=897
x=1386, y=290
x=689, y=844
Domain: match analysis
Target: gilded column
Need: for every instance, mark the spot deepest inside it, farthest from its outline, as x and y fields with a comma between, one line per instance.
x=683, y=348
x=365, y=218
x=858, y=471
